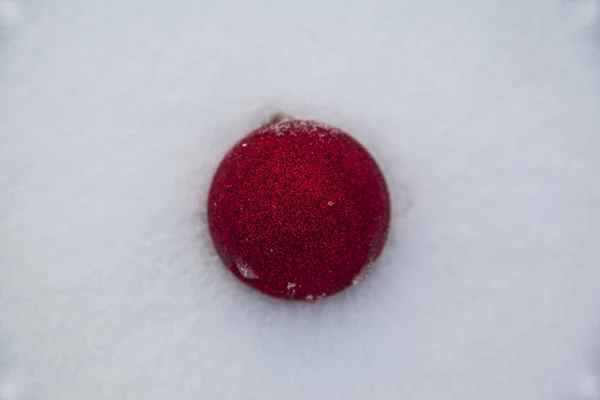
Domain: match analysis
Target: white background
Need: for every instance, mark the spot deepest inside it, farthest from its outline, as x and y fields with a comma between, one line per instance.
x=484, y=115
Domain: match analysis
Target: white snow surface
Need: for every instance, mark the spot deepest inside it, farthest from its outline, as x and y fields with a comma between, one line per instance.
x=485, y=114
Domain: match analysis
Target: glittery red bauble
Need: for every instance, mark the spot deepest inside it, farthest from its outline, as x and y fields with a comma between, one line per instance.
x=298, y=210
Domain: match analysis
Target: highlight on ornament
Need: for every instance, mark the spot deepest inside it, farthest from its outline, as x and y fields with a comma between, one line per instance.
x=298, y=210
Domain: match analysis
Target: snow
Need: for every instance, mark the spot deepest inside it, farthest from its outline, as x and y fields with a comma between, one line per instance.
x=113, y=115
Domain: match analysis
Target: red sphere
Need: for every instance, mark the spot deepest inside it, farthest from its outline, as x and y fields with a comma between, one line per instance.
x=298, y=210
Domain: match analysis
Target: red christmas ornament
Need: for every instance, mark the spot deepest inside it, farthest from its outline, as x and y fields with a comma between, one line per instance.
x=298, y=210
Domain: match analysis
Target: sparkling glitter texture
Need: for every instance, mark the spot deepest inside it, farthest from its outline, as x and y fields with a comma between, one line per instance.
x=299, y=210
